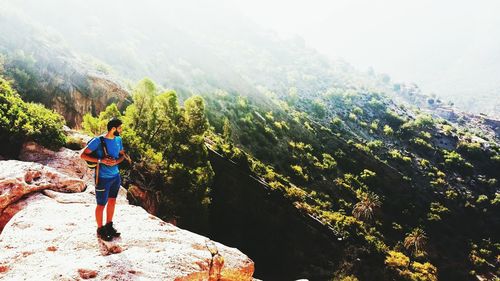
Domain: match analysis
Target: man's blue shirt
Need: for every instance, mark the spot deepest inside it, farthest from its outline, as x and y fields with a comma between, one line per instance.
x=114, y=146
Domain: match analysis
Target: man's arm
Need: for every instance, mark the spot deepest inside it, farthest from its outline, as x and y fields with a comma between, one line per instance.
x=122, y=154
x=85, y=155
x=121, y=158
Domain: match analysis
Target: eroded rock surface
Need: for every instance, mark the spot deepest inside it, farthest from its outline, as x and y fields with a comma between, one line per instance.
x=49, y=230
x=48, y=240
x=18, y=178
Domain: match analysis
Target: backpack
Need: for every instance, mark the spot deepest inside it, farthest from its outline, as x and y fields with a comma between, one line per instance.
x=93, y=165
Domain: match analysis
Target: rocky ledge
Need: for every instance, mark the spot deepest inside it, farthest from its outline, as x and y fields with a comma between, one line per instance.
x=49, y=232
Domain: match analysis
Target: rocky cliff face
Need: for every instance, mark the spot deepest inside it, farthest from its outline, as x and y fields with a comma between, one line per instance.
x=47, y=216
x=45, y=71
x=85, y=93
x=70, y=87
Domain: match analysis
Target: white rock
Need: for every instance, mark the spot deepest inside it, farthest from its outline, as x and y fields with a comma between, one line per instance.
x=49, y=240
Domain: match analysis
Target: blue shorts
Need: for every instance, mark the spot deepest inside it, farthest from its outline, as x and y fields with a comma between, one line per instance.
x=107, y=188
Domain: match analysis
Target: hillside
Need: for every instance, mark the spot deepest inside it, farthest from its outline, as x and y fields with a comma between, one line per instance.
x=312, y=168
x=426, y=174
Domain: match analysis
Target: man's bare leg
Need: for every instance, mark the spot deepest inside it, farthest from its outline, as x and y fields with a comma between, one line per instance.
x=99, y=210
x=110, y=209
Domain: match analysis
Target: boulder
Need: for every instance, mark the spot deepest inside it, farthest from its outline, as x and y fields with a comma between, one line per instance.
x=65, y=160
x=18, y=179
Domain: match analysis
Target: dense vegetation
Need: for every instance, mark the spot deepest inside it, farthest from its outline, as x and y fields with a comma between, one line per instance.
x=166, y=143
x=405, y=183
x=21, y=121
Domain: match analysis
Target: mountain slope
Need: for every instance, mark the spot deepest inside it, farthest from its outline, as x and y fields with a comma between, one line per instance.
x=400, y=192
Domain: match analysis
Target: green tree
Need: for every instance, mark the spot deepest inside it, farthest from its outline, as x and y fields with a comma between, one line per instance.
x=97, y=126
x=91, y=125
x=21, y=121
x=166, y=142
x=157, y=127
x=140, y=111
x=388, y=130
x=319, y=108
x=226, y=130
x=195, y=115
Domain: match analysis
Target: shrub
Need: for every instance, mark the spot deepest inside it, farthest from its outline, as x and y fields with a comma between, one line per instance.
x=388, y=131
x=424, y=163
x=472, y=150
x=319, y=108
x=421, y=144
x=349, y=278
x=393, y=119
x=413, y=271
x=397, y=260
x=436, y=210
x=353, y=117
x=374, y=144
x=357, y=110
x=424, y=121
x=21, y=121
x=447, y=129
x=337, y=122
x=367, y=174
x=396, y=154
x=74, y=143
x=424, y=271
x=451, y=194
x=454, y=160
x=481, y=198
x=300, y=172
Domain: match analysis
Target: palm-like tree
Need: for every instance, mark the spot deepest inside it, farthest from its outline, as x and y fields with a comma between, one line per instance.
x=415, y=241
x=365, y=209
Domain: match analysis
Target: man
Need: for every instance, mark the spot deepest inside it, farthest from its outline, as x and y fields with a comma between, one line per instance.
x=107, y=175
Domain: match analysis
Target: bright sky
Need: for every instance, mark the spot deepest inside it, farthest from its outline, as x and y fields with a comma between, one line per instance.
x=398, y=37
x=450, y=47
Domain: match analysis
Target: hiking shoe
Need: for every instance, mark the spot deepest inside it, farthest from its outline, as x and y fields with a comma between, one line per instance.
x=103, y=234
x=111, y=230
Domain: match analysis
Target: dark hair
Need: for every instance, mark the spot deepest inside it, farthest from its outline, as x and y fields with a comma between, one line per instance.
x=114, y=122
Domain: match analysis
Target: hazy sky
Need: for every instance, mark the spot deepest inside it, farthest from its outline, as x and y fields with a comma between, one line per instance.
x=448, y=47
x=398, y=37
x=410, y=40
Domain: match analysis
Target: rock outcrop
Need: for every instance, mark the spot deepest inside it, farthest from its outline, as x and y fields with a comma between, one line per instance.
x=66, y=161
x=18, y=179
x=144, y=198
x=40, y=243
x=86, y=92
x=50, y=231
x=69, y=83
